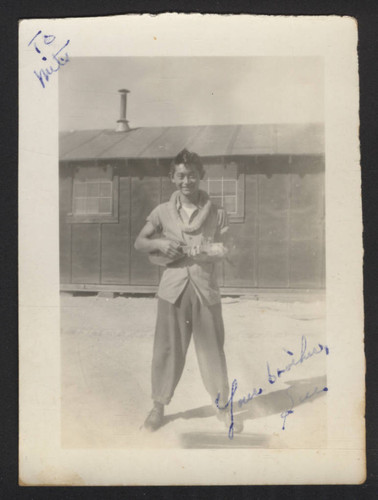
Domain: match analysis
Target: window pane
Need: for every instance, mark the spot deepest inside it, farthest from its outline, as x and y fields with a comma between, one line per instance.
x=105, y=205
x=215, y=187
x=79, y=189
x=92, y=189
x=106, y=189
x=92, y=206
x=229, y=187
x=229, y=203
x=217, y=200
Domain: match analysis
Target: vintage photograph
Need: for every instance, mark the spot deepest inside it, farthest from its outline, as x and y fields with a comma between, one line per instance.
x=192, y=252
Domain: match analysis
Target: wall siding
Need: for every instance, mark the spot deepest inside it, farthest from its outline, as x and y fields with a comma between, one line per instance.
x=273, y=230
x=116, y=240
x=86, y=253
x=145, y=195
x=243, y=236
x=307, y=230
x=280, y=244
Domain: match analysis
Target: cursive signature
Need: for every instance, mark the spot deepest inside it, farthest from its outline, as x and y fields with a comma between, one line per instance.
x=272, y=376
x=303, y=356
x=255, y=393
x=301, y=399
x=55, y=58
x=230, y=405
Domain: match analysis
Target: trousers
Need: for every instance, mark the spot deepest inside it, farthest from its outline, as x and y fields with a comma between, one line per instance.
x=175, y=325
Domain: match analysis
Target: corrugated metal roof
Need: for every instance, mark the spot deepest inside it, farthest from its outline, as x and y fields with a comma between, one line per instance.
x=213, y=140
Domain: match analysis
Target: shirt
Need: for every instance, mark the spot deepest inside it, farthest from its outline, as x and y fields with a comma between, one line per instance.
x=188, y=211
x=202, y=275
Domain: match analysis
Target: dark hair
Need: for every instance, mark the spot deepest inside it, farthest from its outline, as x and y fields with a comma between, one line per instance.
x=187, y=158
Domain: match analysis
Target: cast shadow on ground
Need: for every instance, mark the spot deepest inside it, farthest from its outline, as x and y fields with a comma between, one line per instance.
x=280, y=401
x=302, y=391
x=264, y=405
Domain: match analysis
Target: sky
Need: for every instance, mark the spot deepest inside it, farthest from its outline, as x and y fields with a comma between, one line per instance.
x=173, y=91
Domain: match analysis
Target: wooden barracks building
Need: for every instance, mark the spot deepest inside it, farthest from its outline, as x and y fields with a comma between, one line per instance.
x=270, y=179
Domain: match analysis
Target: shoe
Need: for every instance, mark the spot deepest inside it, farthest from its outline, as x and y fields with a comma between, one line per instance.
x=224, y=416
x=155, y=418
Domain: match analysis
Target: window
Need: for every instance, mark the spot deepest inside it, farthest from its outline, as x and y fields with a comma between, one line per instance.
x=224, y=192
x=225, y=186
x=94, y=194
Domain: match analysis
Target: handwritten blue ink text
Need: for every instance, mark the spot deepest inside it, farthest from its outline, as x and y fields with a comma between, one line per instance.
x=57, y=58
x=304, y=356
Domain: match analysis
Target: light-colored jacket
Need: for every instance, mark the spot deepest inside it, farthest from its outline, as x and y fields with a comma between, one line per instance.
x=203, y=275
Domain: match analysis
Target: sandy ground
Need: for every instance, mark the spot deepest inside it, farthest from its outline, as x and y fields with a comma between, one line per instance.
x=106, y=351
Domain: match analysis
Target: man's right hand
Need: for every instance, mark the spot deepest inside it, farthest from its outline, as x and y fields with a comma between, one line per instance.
x=170, y=248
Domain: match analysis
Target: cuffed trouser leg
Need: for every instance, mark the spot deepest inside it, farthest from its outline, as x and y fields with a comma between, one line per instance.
x=208, y=335
x=174, y=326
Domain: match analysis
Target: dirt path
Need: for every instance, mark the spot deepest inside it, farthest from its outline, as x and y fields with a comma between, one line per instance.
x=106, y=354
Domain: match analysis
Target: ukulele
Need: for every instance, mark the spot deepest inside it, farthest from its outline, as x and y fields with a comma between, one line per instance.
x=208, y=248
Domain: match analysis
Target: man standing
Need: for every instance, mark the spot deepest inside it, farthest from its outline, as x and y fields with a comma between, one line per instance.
x=188, y=295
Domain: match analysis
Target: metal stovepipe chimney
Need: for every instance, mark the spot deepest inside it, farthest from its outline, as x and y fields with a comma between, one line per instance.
x=122, y=123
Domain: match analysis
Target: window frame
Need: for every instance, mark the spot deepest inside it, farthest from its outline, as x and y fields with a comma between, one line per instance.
x=96, y=218
x=239, y=215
